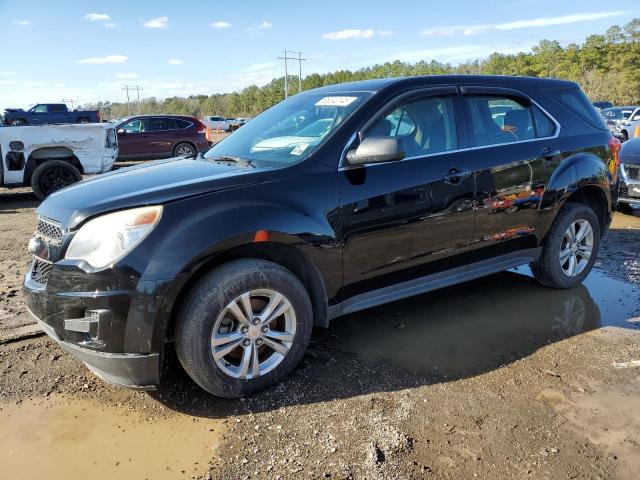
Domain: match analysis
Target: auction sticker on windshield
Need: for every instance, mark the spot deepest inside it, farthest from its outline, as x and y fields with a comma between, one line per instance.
x=336, y=101
x=299, y=149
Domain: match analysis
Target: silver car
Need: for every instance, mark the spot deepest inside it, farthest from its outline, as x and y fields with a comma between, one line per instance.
x=620, y=118
x=630, y=172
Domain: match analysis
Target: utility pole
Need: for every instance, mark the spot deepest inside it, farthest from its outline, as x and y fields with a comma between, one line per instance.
x=286, y=74
x=137, y=88
x=71, y=101
x=288, y=55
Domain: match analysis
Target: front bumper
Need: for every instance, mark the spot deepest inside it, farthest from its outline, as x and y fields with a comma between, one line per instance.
x=134, y=371
x=629, y=191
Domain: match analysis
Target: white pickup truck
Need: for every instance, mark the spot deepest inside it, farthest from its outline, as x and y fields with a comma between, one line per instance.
x=50, y=157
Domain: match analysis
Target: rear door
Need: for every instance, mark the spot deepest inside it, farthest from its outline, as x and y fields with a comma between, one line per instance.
x=413, y=217
x=514, y=149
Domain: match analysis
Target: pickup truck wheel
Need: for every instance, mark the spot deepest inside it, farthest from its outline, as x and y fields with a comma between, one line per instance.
x=570, y=249
x=184, y=149
x=52, y=175
x=243, y=327
x=83, y=120
x=18, y=122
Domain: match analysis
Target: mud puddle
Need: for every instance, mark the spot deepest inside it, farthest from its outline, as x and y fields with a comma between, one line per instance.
x=470, y=328
x=63, y=438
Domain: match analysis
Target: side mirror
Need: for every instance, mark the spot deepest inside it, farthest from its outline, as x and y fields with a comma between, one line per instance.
x=377, y=149
x=121, y=131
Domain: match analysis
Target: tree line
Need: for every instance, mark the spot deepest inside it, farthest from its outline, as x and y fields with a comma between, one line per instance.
x=607, y=67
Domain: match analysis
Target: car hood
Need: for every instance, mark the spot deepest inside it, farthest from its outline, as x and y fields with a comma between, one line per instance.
x=149, y=184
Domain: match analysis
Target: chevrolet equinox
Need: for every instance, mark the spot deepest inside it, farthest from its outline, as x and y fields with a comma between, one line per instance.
x=333, y=201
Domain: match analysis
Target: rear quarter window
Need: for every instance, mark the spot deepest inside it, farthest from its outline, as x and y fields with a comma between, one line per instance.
x=575, y=101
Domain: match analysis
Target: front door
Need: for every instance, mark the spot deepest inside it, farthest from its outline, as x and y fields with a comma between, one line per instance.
x=133, y=141
x=413, y=217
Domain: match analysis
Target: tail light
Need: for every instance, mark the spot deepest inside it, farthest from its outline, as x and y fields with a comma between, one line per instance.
x=614, y=147
x=200, y=127
x=99, y=117
x=207, y=135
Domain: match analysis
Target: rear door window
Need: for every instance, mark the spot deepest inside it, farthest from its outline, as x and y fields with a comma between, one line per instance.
x=155, y=125
x=496, y=120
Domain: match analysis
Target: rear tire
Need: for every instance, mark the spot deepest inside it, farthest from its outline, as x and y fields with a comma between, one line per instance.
x=53, y=175
x=215, y=309
x=184, y=149
x=18, y=122
x=563, y=262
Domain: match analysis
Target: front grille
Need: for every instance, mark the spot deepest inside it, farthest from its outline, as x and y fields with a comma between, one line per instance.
x=624, y=192
x=633, y=171
x=40, y=270
x=49, y=230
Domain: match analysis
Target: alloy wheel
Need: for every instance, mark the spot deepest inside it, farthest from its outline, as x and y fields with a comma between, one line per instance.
x=576, y=248
x=184, y=150
x=253, y=334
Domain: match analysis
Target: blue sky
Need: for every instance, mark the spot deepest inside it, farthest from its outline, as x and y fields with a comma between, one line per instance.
x=89, y=49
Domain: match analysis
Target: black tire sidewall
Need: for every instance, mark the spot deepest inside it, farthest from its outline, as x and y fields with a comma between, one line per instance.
x=202, y=307
x=40, y=170
x=182, y=144
x=551, y=252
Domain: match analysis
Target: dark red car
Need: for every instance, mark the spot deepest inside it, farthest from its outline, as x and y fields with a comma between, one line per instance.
x=160, y=136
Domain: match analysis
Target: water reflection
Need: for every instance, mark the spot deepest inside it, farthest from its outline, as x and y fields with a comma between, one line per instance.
x=477, y=326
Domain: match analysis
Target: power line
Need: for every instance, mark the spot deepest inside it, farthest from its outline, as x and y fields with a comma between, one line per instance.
x=71, y=101
x=288, y=55
x=137, y=88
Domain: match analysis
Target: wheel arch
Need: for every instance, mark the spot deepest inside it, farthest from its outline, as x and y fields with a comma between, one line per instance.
x=41, y=155
x=280, y=253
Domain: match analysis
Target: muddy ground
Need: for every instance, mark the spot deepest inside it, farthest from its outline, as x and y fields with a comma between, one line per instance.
x=497, y=378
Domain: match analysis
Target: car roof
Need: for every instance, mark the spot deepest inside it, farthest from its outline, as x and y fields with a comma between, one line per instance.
x=427, y=80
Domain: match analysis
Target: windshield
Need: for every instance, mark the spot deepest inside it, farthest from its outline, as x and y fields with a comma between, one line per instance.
x=291, y=130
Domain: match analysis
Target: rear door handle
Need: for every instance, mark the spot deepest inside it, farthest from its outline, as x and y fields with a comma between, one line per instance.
x=549, y=153
x=456, y=176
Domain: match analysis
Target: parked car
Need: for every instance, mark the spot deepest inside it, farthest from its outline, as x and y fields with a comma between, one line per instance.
x=50, y=157
x=47, y=113
x=630, y=173
x=232, y=257
x=622, y=118
x=160, y=136
x=236, y=123
x=217, y=123
x=602, y=105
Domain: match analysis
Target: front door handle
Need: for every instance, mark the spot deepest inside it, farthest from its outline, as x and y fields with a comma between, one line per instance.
x=549, y=153
x=455, y=176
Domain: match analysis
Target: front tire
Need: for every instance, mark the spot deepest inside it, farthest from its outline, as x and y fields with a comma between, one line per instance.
x=570, y=249
x=53, y=175
x=18, y=122
x=243, y=327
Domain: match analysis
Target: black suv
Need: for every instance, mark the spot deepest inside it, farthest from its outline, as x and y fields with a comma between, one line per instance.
x=333, y=201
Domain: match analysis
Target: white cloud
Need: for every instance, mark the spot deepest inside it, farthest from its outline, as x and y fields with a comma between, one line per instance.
x=110, y=25
x=265, y=25
x=257, y=67
x=127, y=76
x=384, y=33
x=21, y=23
x=7, y=73
x=107, y=59
x=174, y=61
x=220, y=24
x=351, y=33
x=94, y=17
x=160, y=22
x=454, y=53
x=467, y=30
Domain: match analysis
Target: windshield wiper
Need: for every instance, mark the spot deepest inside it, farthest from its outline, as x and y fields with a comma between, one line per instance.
x=232, y=158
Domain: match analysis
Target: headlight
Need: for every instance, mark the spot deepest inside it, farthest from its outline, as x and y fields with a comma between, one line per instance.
x=105, y=239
